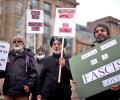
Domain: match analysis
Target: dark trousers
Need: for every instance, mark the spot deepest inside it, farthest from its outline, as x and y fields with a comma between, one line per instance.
x=16, y=97
x=59, y=94
x=106, y=95
x=57, y=98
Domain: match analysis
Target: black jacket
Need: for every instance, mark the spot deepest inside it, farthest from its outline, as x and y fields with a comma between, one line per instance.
x=39, y=66
x=19, y=73
x=48, y=86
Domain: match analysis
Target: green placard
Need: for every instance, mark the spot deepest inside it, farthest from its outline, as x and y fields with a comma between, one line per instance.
x=96, y=69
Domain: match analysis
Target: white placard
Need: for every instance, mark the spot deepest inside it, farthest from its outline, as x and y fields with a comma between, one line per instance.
x=65, y=22
x=35, y=21
x=4, y=50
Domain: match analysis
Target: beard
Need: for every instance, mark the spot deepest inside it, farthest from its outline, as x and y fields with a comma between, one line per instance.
x=56, y=51
x=18, y=47
x=101, y=39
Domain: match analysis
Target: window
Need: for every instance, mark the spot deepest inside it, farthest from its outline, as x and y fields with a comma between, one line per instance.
x=69, y=46
x=34, y=3
x=47, y=11
x=18, y=23
x=19, y=7
x=47, y=29
x=47, y=7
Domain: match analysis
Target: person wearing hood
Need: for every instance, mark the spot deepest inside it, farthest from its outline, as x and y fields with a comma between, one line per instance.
x=48, y=86
x=101, y=34
x=20, y=73
x=41, y=53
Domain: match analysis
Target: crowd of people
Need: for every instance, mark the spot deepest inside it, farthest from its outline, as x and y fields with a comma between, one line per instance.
x=37, y=73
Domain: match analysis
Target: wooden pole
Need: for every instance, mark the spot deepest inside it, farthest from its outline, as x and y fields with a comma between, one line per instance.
x=34, y=43
x=59, y=75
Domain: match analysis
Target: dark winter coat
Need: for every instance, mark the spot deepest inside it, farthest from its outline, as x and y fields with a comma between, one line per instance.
x=19, y=73
x=48, y=85
x=39, y=65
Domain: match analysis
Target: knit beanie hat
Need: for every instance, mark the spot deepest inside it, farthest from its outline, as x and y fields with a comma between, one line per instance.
x=41, y=48
x=21, y=38
x=53, y=38
x=104, y=26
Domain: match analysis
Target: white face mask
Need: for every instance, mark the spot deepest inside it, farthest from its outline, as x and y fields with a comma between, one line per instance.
x=40, y=57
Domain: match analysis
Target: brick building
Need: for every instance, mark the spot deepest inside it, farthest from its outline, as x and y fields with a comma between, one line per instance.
x=113, y=24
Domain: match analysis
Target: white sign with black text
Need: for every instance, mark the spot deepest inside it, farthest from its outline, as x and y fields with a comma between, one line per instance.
x=35, y=21
x=4, y=50
x=65, y=22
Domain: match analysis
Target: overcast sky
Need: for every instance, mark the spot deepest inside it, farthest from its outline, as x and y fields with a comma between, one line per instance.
x=90, y=10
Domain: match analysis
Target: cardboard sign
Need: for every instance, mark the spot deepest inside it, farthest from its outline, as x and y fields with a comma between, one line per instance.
x=65, y=22
x=4, y=50
x=35, y=21
x=96, y=69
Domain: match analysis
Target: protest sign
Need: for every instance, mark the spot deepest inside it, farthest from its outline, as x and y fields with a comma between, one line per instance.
x=65, y=22
x=97, y=68
x=34, y=21
x=64, y=27
x=4, y=50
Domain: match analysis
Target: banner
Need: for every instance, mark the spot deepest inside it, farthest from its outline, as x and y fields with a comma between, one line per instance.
x=65, y=22
x=4, y=50
x=35, y=21
x=98, y=68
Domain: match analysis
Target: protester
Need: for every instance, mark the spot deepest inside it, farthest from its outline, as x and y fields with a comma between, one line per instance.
x=20, y=72
x=48, y=87
x=41, y=53
x=102, y=33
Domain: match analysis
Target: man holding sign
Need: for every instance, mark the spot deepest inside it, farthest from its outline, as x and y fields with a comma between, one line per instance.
x=48, y=86
x=101, y=33
x=56, y=70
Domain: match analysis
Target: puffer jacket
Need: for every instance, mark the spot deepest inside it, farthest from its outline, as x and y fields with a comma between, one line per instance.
x=19, y=73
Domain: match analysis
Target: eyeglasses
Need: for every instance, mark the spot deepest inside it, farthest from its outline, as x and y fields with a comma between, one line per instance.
x=101, y=30
x=17, y=41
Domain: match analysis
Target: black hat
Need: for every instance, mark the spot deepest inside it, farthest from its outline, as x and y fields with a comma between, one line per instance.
x=104, y=26
x=53, y=38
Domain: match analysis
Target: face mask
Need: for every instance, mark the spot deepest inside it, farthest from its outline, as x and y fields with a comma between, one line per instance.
x=40, y=57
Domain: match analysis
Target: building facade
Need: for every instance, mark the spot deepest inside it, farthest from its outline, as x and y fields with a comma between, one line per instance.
x=84, y=38
x=13, y=19
x=113, y=24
